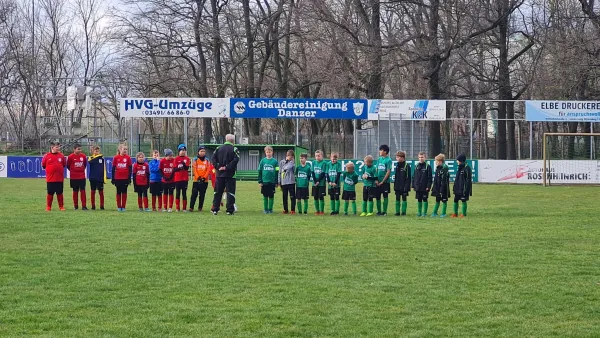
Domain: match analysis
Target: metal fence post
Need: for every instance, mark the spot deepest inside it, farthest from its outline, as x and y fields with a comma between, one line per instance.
x=471, y=132
x=131, y=133
x=297, y=133
x=412, y=138
x=355, y=134
x=530, y=140
x=389, y=129
x=378, y=131
x=185, y=131
x=591, y=141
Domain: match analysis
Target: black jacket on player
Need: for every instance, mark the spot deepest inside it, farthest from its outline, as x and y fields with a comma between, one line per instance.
x=463, y=182
x=226, y=156
x=441, y=182
x=423, y=177
x=402, y=178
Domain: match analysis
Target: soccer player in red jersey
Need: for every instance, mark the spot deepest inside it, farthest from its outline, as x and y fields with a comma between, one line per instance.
x=121, y=175
x=77, y=165
x=141, y=180
x=167, y=171
x=182, y=177
x=54, y=163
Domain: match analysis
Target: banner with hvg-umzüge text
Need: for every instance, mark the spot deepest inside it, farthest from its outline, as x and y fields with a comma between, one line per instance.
x=174, y=107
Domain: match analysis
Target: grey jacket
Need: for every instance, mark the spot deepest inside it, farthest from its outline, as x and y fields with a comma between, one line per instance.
x=287, y=172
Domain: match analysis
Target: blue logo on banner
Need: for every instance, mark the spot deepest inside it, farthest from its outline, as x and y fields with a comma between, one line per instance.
x=299, y=108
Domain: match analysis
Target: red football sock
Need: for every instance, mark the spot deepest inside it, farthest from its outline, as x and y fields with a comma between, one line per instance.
x=61, y=200
x=139, y=202
x=119, y=201
x=83, y=199
x=49, y=199
x=146, y=202
x=165, y=201
x=93, y=198
x=184, y=204
x=160, y=198
x=171, y=198
x=75, y=199
x=123, y=200
x=101, y=193
x=177, y=203
x=153, y=202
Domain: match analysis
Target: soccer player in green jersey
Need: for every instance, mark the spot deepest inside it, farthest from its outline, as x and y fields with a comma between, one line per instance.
x=350, y=179
x=303, y=175
x=333, y=173
x=319, y=189
x=369, y=175
x=268, y=170
x=441, y=186
x=384, y=169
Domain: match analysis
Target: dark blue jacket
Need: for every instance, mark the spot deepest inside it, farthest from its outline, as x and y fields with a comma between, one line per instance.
x=97, y=171
x=154, y=170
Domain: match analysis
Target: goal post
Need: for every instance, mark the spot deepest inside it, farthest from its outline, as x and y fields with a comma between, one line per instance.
x=570, y=158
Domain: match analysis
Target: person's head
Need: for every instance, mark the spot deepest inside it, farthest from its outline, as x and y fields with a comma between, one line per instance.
x=439, y=160
x=334, y=157
x=303, y=158
x=319, y=155
x=289, y=155
x=350, y=167
x=182, y=149
x=400, y=156
x=369, y=160
x=55, y=147
x=421, y=157
x=77, y=149
x=96, y=150
x=122, y=149
x=168, y=153
x=384, y=150
x=141, y=158
x=461, y=159
x=269, y=151
x=156, y=154
x=201, y=152
x=230, y=138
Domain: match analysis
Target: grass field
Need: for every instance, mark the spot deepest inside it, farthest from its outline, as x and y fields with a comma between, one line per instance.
x=525, y=263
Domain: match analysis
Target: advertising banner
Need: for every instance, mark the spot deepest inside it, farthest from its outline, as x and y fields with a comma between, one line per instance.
x=531, y=171
x=299, y=108
x=3, y=166
x=174, y=107
x=562, y=111
x=418, y=110
x=31, y=167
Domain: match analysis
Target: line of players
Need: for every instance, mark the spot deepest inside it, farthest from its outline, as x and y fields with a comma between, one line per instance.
x=329, y=178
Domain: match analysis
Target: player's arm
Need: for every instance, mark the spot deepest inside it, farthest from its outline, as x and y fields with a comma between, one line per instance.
x=408, y=178
x=236, y=159
x=129, y=171
x=44, y=161
x=260, y=171
x=429, y=177
x=444, y=182
x=114, y=170
x=468, y=181
x=338, y=176
x=388, y=171
x=277, y=174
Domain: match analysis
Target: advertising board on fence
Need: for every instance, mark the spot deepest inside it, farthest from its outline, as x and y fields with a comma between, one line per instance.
x=31, y=167
x=418, y=110
x=531, y=171
x=3, y=166
x=299, y=108
x=174, y=107
x=562, y=111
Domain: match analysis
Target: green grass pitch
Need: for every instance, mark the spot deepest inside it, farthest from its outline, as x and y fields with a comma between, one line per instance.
x=525, y=263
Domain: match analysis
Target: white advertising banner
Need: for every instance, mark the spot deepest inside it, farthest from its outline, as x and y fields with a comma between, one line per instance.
x=174, y=107
x=418, y=110
x=3, y=166
x=530, y=171
x=565, y=111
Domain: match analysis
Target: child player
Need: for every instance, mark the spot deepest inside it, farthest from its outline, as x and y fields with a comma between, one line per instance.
x=268, y=170
x=402, y=180
x=441, y=185
x=333, y=173
x=287, y=181
x=303, y=175
x=121, y=175
x=141, y=180
x=182, y=177
x=319, y=166
x=77, y=165
x=203, y=172
x=422, y=183
x=155, y=180
x=167, y=171
x=384, y=169
x=462, y=185
x=369, y=176
x=350, y=178
x=54, y=163
x=97, y=176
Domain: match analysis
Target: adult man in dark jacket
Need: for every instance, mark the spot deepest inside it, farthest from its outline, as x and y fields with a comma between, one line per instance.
x=225, y=160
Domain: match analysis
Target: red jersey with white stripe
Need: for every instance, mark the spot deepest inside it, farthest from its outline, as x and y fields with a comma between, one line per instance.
x=77, y=165
x=141, y=174
x=121, y=163
x=182, y=163
x=167, y=170
x=55, y=164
